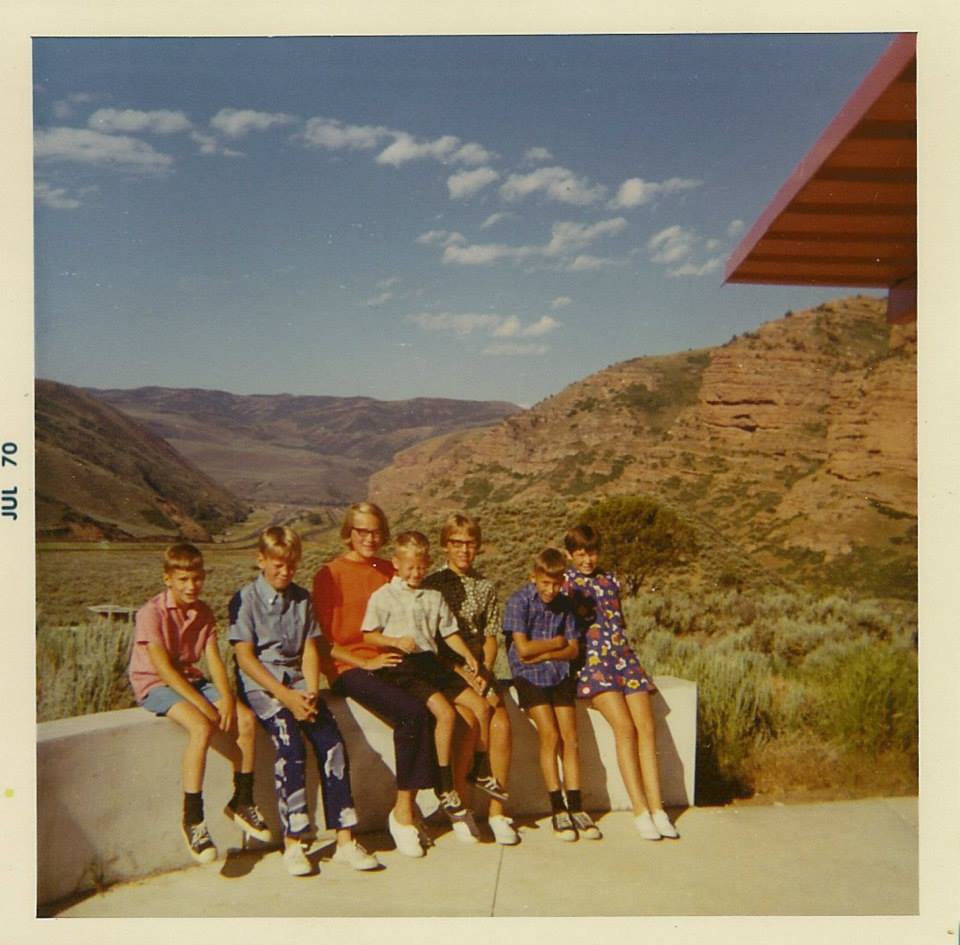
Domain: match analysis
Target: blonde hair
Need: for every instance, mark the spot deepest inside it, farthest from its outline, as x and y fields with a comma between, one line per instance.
x=279, y=541
x=416, y=542
x=182, y=557
x=364, y=508
x=550, y=562
x=459, y=521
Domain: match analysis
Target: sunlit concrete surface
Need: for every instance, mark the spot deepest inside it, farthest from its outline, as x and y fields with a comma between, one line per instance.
x=842, y=858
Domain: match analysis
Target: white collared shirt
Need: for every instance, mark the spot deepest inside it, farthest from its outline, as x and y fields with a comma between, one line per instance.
x=397, y=610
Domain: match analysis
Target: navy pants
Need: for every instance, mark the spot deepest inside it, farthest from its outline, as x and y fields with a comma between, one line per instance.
x=411, y=720
x=290, y=739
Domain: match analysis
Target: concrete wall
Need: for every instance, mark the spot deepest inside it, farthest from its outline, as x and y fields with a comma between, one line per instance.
x=109, y=799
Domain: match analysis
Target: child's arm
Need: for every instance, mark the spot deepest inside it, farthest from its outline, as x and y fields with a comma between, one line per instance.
x=227, y=706
x=456, y=643
x=298, y=702
x=537, y=651
x=172, y=677
x=407, y=644
x=385, y=658
x=489, y=653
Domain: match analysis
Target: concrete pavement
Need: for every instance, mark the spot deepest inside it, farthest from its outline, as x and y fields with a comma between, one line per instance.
x=842, y=858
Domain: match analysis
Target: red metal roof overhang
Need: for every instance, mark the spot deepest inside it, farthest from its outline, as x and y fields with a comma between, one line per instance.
x=847, y=215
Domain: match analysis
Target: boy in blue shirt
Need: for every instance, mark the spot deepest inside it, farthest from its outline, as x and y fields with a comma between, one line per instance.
x=275, y=639
x=539, y=621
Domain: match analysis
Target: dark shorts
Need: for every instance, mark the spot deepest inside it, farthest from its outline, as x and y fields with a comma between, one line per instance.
x=422, y=675
x=529, y=695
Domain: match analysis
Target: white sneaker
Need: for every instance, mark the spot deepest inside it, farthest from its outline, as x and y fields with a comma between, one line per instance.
x=503, y=831
x=295, y=860
x=648, y=829
x=405, y=836
x=586, y=828
x=662, y=822
x=353, y=855
x=464, y=826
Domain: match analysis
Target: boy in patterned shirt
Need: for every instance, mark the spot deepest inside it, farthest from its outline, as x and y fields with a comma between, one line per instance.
x=473, y=600
x=543, y=642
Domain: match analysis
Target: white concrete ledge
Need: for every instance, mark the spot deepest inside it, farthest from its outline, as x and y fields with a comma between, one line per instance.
x=109, y=799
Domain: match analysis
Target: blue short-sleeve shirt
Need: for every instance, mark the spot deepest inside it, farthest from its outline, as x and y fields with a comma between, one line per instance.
x=278, y=624
x=526, y=613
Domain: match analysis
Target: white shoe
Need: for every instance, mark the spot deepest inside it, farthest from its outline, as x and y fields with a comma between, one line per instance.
x=295, y=860
x=353, y=855
x=648, y=829
x=405, y=836
x=503, y=831
x=464, y=826
x=586, y=828
x=662, y=822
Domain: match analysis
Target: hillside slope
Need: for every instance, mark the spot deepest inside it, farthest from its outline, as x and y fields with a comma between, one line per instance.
x=796, y=443
x=102, y=474
x=283, y=448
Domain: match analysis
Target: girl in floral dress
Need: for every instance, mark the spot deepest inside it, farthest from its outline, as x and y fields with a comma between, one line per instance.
x=611, y=677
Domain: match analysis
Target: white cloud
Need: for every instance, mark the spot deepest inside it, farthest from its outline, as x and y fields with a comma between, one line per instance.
x=237, y=122
x=63, y=108
x=379, y=300
x=735, y=228
x=389, y=282
x=57, y=198
x=711, y=245
x=473, y=153
x=512, y=327
x=465, y=184
x=495, y=218
x=334, y=135
x=159, y=122
x=536, y=155
x=671, y=245
x=586, y=263
x=561, y=301
x=210, y=145
x=556, y=183
x=480, y=254
x=513, y=349
x=693, y=269
x=568, y=237
x=441, y=237
x=407, y=148
x=635, y=192
x=83, y=146
x=459, y=324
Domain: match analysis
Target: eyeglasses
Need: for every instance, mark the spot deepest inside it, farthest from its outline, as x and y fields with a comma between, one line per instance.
x=368, y=532
x=461, y=543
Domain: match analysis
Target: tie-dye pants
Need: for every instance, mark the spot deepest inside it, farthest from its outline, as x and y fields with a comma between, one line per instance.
x=290, y=739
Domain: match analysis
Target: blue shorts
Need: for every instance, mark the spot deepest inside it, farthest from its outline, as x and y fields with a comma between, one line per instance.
x=161, y=699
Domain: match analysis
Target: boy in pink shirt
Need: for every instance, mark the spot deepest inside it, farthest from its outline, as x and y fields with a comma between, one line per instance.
x=174, y=630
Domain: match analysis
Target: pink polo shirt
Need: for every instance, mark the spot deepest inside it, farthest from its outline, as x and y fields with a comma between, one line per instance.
x=183, y=633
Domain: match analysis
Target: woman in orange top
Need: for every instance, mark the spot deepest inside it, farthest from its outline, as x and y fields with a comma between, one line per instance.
x=341, y=590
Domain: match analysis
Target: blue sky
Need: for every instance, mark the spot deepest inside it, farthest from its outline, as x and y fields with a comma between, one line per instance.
x=477, y=217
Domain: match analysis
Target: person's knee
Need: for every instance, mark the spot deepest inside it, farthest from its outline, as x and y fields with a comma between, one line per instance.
x=246, y=723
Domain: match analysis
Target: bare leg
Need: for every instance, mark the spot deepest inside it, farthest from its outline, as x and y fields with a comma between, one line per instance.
x=199, y=732
x=641, y=709
x=501, y=748
x=403, y=811
x=465, y=744
x=549, y=737
x=613, y=707
x=246, y=737
x=567, y=723
x=443, y=730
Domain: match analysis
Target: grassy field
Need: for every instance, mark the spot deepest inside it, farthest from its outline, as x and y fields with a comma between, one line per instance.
x=801, y=691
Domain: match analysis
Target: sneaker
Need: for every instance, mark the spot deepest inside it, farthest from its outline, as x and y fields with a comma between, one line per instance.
x=198, y=842
x=353, y=855
x=503, y=831
x=464, y=826
x=662, y=822
x=426, y=838
x=249, y=819
x=648, y=829
x=585, y=825
x=405, y=836
x=295, y=860
x=489, y=785
x=451, y=803
x=563, y=828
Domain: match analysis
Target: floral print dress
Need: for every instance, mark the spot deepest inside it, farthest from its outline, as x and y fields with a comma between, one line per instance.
x=609, y=663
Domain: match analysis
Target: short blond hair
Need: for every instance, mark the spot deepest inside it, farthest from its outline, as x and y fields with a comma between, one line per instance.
x=550, y=562
x=416, y=542
x=459, y=521
x=182, y=557
x=364, y=508
x=280, y=541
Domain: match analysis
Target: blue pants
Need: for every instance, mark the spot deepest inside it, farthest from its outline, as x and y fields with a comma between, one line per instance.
x=411, y=720
x=289, y=769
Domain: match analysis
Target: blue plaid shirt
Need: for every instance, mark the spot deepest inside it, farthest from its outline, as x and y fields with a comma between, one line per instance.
x=526, y=613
